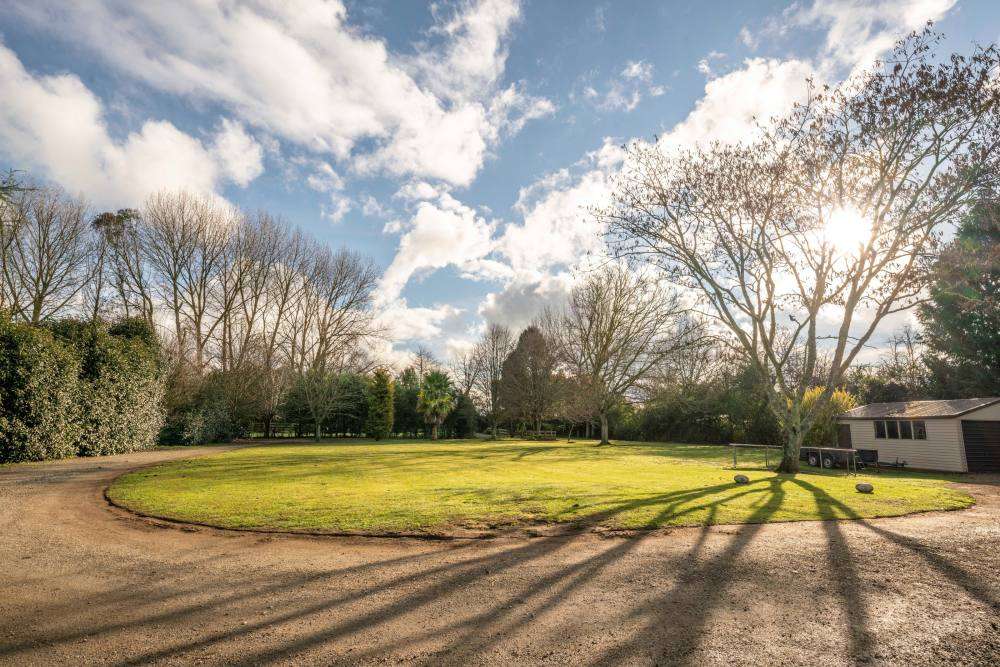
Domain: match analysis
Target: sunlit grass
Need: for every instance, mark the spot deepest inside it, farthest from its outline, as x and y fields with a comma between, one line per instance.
x=423, y=486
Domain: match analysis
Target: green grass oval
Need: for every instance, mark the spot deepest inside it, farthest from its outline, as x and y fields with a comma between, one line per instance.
x=394, y=486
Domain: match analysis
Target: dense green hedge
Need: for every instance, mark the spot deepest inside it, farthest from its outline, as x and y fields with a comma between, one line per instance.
x=77, y=388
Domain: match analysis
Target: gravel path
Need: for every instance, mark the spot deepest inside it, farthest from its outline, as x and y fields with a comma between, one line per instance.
x=85, y=583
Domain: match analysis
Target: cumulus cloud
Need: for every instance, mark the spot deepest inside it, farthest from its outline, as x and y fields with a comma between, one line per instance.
x=56, y=125
x=240, y=157
x=302, y=72
x=441, y=233
x=859, y=32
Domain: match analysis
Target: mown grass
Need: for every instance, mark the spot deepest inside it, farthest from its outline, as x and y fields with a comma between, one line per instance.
x=424, y=486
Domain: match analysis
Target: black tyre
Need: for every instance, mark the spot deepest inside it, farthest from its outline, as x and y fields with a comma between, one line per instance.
x=813, y=459
x=827, y=461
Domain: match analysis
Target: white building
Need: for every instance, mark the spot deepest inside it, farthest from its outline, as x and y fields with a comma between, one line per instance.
x=961, y=435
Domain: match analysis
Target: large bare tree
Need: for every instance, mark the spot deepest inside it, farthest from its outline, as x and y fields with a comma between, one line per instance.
x=617, y=328
x=802, y=242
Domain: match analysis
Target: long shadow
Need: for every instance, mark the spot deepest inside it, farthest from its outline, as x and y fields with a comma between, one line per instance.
x=128, y=596
x=512, y=558
x=965, y=580
x=455, y=576
x=675, y=623
x=845, y=572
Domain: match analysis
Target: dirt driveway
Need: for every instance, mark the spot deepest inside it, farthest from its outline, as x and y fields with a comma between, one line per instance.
x=83, y=583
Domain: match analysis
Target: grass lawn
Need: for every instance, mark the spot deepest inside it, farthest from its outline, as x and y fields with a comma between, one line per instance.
x=424, y=486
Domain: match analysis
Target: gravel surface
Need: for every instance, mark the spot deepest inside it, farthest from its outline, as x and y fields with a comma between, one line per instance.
x=85, y=583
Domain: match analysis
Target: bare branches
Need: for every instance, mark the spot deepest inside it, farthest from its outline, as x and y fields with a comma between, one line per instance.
x=802, y=242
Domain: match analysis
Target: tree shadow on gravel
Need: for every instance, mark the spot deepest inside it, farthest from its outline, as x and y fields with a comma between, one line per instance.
x=378, y=606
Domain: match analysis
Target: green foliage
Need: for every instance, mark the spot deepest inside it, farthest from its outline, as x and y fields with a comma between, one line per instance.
x=823, y=432
x=380, y=405
x=77, y=388
x=407, y=419
x=730, y=408
x=463, y=421
x=962, y=319
x=39, y=391
x=435, y=400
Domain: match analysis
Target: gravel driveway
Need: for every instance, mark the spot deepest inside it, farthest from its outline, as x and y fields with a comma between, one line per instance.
x=84, y=583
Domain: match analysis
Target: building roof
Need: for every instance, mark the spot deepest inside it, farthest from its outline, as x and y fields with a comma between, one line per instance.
x=919, y=409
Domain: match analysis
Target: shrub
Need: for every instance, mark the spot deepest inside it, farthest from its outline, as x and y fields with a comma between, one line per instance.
x=39, y=395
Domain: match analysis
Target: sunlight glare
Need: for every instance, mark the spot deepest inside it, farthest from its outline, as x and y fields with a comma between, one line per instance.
x=847, y=229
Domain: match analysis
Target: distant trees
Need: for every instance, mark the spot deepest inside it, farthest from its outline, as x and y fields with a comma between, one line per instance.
x=490, y=353
x=801, y=242
x=529, y=386
x=616, y=329
x=435, y=400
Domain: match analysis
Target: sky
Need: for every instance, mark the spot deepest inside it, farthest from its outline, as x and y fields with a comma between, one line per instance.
x=460, y=145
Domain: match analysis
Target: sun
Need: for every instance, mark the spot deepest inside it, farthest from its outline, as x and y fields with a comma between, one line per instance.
x=847, y=229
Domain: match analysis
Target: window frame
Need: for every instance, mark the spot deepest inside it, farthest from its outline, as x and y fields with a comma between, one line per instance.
x=919, y=430
x=890, y=426
x=906, y=430
x=879, y=423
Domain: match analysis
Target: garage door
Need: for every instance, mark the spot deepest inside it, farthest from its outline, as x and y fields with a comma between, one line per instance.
x=982, y=445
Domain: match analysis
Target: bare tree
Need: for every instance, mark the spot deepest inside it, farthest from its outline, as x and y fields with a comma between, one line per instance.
x=46, y=248
x=617, y=328
x=465, y=369
x=494, y=348
x=802, y=242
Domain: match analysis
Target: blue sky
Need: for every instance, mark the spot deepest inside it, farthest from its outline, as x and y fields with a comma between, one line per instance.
x=459, y=144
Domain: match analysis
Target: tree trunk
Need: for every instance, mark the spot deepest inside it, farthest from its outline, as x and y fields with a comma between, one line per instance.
x=790, y=454
x=604, y=429
x=434, y=431
x=319, y=430
x=267, y=427
x=494, y=429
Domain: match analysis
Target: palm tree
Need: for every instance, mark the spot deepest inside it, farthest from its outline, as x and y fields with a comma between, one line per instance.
x=435, y=400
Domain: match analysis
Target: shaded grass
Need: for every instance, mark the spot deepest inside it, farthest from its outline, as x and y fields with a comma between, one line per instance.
x=423, y=486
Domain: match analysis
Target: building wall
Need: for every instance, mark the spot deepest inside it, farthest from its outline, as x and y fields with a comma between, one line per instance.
x=989, y=413
x=942, y=450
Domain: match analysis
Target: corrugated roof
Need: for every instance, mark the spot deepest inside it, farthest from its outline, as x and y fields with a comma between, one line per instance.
x=919, y=409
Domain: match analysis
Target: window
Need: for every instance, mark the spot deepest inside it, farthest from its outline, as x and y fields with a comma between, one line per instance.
x=892, y=430
x=880, y=430
x=906, y=430
x=919, y=431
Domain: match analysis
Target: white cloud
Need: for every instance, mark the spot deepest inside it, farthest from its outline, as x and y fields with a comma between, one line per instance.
x=625, y=92
x=325, y=178
x=441, y=233
x=338, y=206
x=240, y=157
x=301, y=72
x=748, y=38
x=419, y=191
x=640, y=70
x=858, y=32
x=763, y=88
x=56, y=125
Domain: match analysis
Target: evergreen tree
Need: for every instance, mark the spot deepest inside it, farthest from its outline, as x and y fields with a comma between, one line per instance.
x=380, y=405
x=962, y=319
x=435, y=401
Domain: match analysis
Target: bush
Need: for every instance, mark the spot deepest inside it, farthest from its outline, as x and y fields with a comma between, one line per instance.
x=78, y=388
x=39, y=395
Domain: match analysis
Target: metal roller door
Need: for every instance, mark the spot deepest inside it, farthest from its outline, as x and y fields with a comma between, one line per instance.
x=982, y=445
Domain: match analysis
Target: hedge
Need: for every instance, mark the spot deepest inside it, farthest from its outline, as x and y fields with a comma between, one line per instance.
x=78, y=389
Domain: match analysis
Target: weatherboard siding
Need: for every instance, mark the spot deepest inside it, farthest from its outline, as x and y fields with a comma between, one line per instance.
x=989, y=413
x=942, y=450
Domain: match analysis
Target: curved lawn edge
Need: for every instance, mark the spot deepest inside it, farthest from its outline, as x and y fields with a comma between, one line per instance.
x=483, y=489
